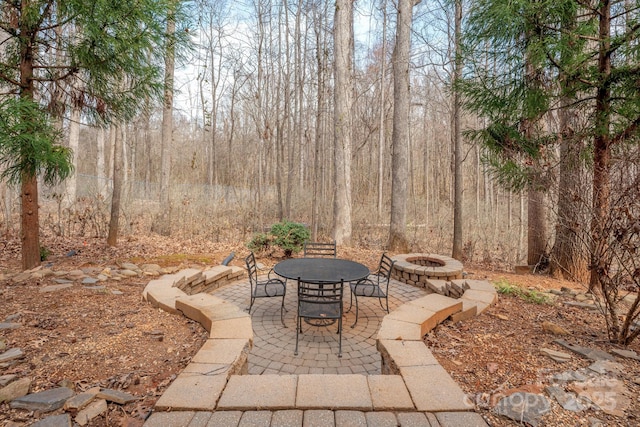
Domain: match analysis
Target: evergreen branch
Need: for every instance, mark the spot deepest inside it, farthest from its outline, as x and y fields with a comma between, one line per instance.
x=627, y=132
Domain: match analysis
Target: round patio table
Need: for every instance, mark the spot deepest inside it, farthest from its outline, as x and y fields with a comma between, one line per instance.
x=330, y=270
x=321, y=270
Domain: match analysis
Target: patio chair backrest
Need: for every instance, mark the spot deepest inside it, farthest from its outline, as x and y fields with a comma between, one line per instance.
x=252, y=268
x=385, y=267
x=319, y=249
x=321, y=293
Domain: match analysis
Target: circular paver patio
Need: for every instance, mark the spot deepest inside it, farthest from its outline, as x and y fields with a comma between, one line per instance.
x=273, y=344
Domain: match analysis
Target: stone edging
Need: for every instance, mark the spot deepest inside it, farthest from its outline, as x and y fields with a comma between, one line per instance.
x=216, y=377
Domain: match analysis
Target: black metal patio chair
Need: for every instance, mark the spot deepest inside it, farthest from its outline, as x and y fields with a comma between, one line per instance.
x=320, y=304
x=376, y=285
x=266, y=288
x=319, y=249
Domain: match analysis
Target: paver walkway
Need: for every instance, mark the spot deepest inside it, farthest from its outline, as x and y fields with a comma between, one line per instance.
x=273, y=345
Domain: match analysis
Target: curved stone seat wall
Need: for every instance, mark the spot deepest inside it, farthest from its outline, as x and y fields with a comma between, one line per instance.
x=216, y=379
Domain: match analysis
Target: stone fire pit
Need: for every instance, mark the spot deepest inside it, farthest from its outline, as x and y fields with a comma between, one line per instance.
x=416, y=269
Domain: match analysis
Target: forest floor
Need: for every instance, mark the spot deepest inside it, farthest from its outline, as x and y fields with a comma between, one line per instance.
x=88, y=338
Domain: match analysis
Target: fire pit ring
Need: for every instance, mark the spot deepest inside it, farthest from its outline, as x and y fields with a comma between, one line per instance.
x=416, y=269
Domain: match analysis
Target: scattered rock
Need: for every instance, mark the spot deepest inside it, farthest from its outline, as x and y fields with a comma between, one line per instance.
x=67, y=383
x=6, y=379
x=90, y=412
x=89, y=281
x=116, y=396
x=628, y=354
x=21, y=277
x=11, y=325
x=15, y=317
x=129, y=266
x=15, y=389
x=579, y=304
x=523, y=407
x=44, y=401
x=595, y=422
x=554, y=329
x=128, y=273
x=79, y=401
x=567, y=376
x=63, y=281
x=604, y=366
x=608, y=394
x=589, y=353
x=11, y=354
x=557, y=356
x=568, y=401
x=63, y=420
x=76, y=274
x=54, y=288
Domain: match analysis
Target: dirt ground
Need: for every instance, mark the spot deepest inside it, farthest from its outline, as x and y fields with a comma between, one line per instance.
x=89, y=338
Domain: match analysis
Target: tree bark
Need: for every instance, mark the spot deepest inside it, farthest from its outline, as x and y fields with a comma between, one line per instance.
x=536, y=227
x=30, y=223
x=114, y=220
x=457, y=139
x=568, y=259
x=162, y=222
x=382, y=115
x=400, y=136
x=343, y=120
x=602, y=144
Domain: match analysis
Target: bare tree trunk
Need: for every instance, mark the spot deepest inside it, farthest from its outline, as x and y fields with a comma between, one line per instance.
x=74, y=142
x=568, y=259
x=343, y=120
x=162, y=222
x=536, y=228
x=114, y=228
x=30, y=222
x=382, y=115
x=400, y=137
x=602, y=144
x=100, y=163
x=321, y=65
x=457, y=139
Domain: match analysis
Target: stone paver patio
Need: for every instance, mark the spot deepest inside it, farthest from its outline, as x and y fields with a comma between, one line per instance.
x=246, y=373
x=273, y=345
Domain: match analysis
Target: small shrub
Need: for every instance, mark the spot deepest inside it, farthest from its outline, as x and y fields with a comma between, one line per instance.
x=44, y=253
x=289, y=236
x=260, y=242
x=534, y=297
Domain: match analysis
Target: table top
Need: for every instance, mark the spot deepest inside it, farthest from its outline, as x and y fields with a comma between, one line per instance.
x=321, y=269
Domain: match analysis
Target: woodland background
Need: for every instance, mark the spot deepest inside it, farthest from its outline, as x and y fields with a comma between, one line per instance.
x=252, y=139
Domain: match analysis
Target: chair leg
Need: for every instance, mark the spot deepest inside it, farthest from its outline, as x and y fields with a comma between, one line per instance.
x=340, y=336
x=382, y=306
x=251, y=303
x=354, y=323
x=298, y=327
x=282, y=310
